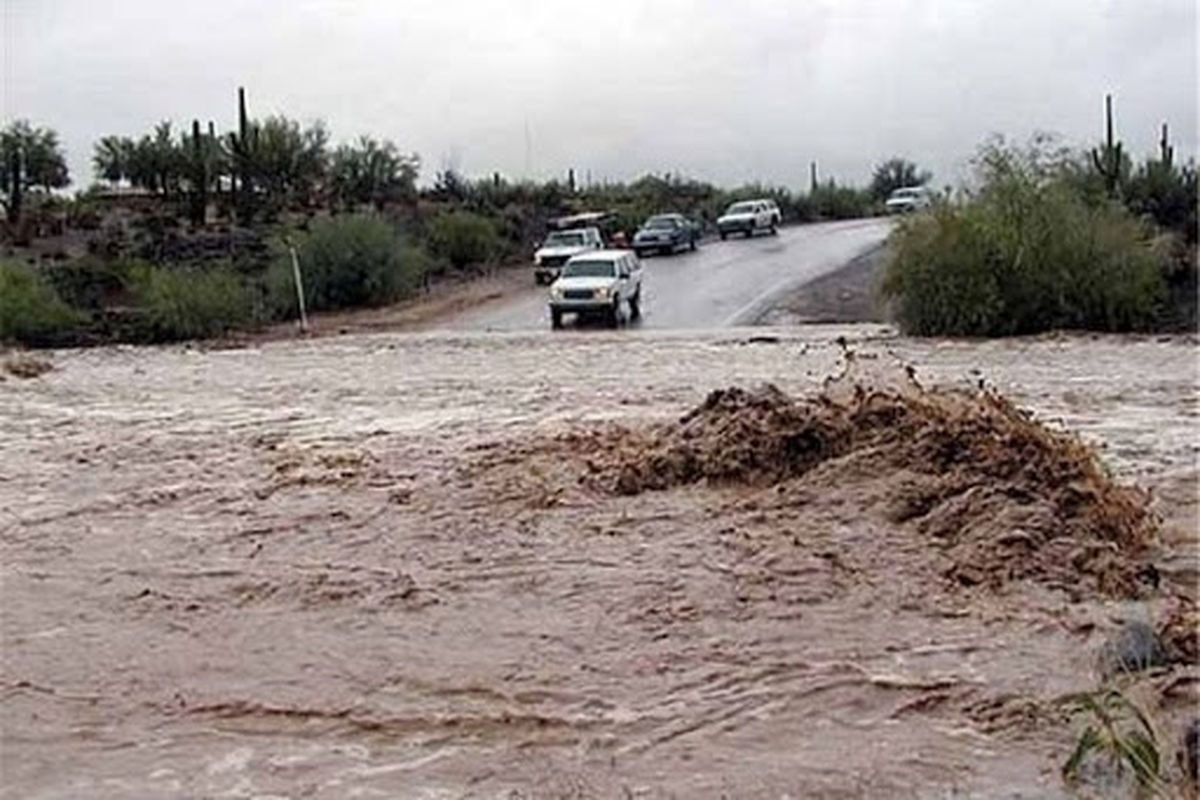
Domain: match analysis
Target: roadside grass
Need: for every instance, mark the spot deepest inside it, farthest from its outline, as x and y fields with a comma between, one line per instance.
x=31, y=312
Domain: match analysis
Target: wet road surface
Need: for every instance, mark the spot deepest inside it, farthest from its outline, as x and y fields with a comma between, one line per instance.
x=281, y=571
x=721, y=284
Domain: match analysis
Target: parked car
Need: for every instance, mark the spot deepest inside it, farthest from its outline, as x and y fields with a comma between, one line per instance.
x=596, y=284
x=559, y=247
x=748, y=216
x=666, y=233
x=908, y=198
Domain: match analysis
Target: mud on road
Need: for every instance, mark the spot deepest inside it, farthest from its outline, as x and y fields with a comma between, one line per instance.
x=400, y=565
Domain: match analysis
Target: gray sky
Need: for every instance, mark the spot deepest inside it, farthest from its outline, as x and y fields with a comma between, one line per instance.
x=720, y=90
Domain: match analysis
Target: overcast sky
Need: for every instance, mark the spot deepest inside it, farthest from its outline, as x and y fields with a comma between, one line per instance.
x=716, y=89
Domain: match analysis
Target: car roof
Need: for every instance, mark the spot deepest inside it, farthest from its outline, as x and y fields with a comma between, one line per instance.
x=601, y=255
x=587, y=219
x=664, y=216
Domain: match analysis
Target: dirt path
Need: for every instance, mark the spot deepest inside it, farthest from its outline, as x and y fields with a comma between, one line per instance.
x=340, y=568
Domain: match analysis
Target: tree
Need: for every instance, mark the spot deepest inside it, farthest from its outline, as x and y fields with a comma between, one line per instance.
x=154, y=162
x=112, y=158
x=372, y=172
x=894, y=174
x=29, y=158
x=289, y=161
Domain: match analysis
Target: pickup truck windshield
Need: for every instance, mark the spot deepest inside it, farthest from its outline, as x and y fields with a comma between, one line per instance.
x=742, y=208
x=564, y=240
x=589, y=269
x=661, y=223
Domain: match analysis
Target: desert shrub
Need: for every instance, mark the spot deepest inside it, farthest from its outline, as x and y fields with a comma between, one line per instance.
x=346, y=261
x=463, y=239
x=31, y=312
x=183, y=303
x=1025, y=253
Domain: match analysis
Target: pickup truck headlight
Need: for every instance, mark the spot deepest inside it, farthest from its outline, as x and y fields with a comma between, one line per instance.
x=556, y=292
x=602, y=292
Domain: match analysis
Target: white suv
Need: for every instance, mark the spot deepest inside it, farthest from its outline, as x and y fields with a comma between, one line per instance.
x=909, y=198
x=596, y=284
x=748, y=216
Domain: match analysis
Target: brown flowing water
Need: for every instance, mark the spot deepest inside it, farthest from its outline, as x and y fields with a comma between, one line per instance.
x=403, y=566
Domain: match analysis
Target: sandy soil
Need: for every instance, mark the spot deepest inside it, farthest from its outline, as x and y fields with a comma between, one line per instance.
x=393, y=565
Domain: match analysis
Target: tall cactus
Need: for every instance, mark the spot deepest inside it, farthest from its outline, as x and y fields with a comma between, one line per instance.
x=1166, y=151
x=1109, y=160
x=241, y=146
x=199, y=177
x=16, y=187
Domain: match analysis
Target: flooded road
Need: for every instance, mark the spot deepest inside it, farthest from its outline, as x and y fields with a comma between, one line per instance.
x=721, y=284
x=342, y=568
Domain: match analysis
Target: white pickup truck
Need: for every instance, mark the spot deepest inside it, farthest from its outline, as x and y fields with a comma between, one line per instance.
x=596, y=284
x=559, y=247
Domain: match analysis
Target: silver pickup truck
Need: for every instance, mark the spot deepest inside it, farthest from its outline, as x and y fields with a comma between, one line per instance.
x=596, y=284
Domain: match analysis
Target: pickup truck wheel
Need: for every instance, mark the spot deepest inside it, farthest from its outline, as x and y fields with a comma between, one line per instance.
x=635, y=305
x=692, y=245
x=537, y=279
x=723, y=235
x=555, y=319
x=613, y=317
x=773, y=230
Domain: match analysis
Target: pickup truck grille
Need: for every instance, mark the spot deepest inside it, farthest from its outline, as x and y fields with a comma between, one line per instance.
x=577, y=294
x=554, y=261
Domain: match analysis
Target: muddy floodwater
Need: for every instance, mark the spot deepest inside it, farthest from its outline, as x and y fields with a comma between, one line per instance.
x=347, y=568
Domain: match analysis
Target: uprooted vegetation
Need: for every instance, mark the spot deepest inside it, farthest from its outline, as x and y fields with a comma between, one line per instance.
x=999, y=493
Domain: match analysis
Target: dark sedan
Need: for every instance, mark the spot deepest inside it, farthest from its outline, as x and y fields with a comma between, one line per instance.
x=666, y=233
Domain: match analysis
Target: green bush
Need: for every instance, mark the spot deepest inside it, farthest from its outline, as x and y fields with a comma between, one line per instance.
x=463, y=239
x=181, y=303
x=346, y=261
x=31, y=312
x=1026, y=253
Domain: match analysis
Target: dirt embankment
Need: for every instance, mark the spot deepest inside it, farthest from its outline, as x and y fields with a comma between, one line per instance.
x=849, y=294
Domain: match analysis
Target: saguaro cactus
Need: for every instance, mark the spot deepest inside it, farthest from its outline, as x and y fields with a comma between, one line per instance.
x=241, y=147
x=16, y=189
x=199, y=176
x=1166, y=151
x=1109, y=160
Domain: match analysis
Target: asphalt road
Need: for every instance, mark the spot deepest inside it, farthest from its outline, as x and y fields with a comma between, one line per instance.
x=722, y=284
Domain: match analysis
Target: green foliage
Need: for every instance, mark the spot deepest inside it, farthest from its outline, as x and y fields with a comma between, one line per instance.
x=463, y=239
x=346, y=261
x=189, y=303
x=288, y=161
x=372, y=172
x=31, y=312
x=29, y=157
x=831, y=201
x=1026, y=253
x=1119, y=732
x=896, y=173
x=113, y=158
x=1167, y=194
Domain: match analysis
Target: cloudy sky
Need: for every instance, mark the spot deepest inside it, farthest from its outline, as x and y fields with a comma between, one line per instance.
x=722, y=90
